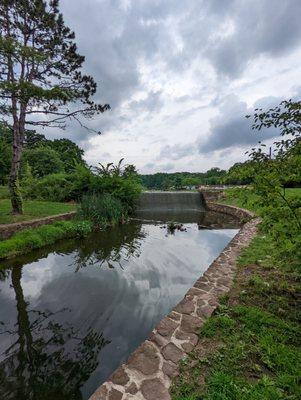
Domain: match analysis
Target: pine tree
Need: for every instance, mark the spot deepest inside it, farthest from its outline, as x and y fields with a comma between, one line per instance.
x=41, y=83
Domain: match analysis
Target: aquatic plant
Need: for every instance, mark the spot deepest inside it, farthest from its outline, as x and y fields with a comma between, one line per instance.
x=102, y=210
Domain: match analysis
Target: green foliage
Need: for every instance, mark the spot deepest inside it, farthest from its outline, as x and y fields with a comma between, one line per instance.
x=42, y=161
x=4, y=192
x=55, y=187
x=280, y=210
x=126, y=190
x=29, y=239
x=240, y=174
x=63, y=187
x=179, y=180
x=102, y=210
x=69, y=152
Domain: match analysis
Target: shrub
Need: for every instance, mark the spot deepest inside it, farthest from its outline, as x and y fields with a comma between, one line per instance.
x=64, y=187
x=54, y=187
x=102, y=210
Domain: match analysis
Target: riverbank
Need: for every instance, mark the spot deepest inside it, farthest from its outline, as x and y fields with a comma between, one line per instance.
x=33, y=209
x=250, y=348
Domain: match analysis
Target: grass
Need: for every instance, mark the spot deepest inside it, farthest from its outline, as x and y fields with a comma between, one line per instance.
x=247, y=199
x=32, y=210
x=3, y=192
x=29, y=239
x=250, y=348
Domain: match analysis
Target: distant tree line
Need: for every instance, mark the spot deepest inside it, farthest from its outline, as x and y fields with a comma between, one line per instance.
x=182, y=180
x=241, y=173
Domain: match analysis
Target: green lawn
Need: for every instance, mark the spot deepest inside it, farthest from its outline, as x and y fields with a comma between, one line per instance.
x=246, y=199
x=32, y=210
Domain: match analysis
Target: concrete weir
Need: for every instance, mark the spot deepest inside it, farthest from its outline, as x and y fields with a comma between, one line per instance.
x=171, y=201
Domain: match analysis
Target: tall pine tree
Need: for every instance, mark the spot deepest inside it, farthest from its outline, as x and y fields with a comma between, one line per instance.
x=41, y=83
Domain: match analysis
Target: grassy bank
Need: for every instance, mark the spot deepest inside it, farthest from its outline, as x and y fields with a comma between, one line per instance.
x=30, y=239
x=94, y=212
x=33, y=210
x=250, y=348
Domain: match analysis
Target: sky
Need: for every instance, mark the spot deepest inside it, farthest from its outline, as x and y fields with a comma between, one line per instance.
x=180, y=76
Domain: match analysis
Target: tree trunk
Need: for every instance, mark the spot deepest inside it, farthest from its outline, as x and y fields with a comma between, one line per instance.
x=14, y=189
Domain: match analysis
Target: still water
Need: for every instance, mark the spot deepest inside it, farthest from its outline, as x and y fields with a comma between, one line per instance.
x=69, y=315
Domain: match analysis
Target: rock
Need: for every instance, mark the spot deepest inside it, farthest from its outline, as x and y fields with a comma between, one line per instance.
x=172, y=353
x=119, y=377
x=185, y=307
x=191, y=324
x=157, y=339
x=115, y=394
x=170, y=369
x=100, y=393
x=166, y=327
x=132, y=389
x=153, y=389
x=205, y=311
x=145, y=359
x=189, y=337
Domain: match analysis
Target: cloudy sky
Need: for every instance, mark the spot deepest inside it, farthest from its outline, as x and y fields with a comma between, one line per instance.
x=181, y=75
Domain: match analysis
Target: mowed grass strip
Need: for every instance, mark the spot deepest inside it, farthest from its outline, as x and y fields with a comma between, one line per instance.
x=33, y=210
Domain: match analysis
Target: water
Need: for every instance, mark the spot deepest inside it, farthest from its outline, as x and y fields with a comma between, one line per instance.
x=72, y=313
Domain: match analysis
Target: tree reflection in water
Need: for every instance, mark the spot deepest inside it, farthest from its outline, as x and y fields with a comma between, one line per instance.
x=46, y=359
x=111, y=246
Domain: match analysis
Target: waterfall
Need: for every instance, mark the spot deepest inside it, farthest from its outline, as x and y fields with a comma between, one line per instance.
x=171, y=201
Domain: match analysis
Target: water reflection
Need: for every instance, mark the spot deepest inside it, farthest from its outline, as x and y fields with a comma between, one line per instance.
x=37, y=363
x=70, y=315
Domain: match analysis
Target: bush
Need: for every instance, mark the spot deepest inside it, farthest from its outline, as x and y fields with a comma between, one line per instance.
x=54, y=187
x=102, y=210
x=65, y=187
x=126, y=190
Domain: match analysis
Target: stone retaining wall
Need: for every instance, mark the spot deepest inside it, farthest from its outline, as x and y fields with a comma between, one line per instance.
x=148, y=372
x=7, y=230
x=211, y=194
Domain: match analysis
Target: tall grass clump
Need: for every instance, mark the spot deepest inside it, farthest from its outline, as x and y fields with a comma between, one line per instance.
x=102, y=210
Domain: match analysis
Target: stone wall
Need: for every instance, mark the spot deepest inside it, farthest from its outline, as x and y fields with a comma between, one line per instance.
x=211, y=194
x=148, y=372
x=7, y=230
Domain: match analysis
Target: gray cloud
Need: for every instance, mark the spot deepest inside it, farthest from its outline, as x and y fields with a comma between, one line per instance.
x=251, y=28
x=166, y=167
x=121, y=39
x=231, y=129
x=153, y=102
x=176, y=151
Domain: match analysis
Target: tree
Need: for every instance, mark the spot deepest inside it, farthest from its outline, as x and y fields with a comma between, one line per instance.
x=69, y=153
x=41, y=83
x=42, y=161
x=272, y=172
x=5, y=152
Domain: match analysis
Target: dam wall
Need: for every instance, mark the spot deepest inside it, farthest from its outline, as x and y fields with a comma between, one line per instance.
x=171, y=201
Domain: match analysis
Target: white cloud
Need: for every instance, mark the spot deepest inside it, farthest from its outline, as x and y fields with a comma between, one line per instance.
x=180, y=76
